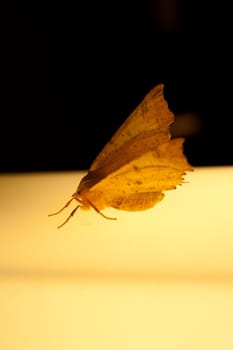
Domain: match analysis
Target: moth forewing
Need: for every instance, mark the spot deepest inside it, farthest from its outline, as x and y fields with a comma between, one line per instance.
x=151, y=114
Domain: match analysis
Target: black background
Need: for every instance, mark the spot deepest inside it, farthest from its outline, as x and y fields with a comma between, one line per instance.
x=72, y=73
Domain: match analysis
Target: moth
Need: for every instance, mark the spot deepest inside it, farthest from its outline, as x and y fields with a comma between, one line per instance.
x=137, y=165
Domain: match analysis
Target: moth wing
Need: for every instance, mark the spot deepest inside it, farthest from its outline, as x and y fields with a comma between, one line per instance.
x=137, y=201
x=155, y=171
x=151, y=114
x=133, y=149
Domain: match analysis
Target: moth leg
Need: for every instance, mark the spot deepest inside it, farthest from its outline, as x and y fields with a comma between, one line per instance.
x=70, y=216
x=99, y=212
x=65, y=206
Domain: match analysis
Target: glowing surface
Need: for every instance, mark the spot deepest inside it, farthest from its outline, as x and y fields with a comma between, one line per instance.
x=162, y=278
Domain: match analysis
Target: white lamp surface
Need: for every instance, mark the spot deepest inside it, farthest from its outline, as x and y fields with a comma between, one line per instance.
x=158, y=279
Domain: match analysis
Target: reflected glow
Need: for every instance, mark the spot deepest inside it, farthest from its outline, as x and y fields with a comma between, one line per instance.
x=155, y=279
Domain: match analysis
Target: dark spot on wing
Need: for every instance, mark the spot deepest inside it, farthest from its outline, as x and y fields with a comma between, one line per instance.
x=138, y=182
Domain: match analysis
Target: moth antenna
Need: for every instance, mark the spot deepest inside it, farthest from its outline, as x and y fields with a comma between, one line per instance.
x=70, y=216
x=65, y=206
x=99, y=212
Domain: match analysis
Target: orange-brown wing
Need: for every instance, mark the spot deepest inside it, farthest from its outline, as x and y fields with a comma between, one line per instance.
x=137, y=201
x=155, y=171
x=133, y=149
x=151, y=116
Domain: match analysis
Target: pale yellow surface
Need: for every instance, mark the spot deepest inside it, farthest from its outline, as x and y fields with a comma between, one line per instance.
x=159, y=279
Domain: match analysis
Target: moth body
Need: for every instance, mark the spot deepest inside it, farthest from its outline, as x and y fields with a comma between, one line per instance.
x=137, y=165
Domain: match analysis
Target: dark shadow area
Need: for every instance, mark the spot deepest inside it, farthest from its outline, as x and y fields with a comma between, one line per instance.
x=73, y=72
